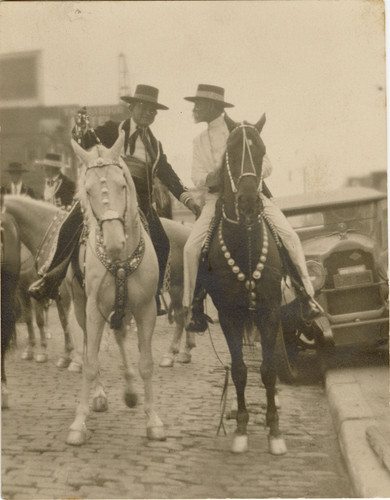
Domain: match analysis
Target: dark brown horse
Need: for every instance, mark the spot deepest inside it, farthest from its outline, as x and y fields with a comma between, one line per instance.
x=243, y=274
x=10, y=269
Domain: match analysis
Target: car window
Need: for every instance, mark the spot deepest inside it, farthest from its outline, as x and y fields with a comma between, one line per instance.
x=355, y=217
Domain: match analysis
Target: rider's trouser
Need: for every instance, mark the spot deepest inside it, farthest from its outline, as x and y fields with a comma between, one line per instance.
x=290, y=240
x=160, y=242
x=193, y=246
x=68, y=238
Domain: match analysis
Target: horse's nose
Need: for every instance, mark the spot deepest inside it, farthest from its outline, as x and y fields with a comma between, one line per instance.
x=247, y=203
x=115, y=252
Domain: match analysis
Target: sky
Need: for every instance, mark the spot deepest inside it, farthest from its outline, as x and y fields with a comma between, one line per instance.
x=315, y=67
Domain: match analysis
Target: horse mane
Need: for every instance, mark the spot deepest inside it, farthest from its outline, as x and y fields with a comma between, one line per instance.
x=35, y=203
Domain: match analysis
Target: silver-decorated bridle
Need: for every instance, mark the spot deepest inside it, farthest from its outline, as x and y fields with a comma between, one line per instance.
x=108, y=213
x=245, y=148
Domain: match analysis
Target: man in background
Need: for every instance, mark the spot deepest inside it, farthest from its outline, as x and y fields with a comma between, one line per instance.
x=17, y=186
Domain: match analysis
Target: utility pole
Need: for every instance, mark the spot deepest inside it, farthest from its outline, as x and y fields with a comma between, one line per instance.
x=124, y=87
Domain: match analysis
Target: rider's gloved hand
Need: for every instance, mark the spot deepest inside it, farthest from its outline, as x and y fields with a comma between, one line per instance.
x=194, y=207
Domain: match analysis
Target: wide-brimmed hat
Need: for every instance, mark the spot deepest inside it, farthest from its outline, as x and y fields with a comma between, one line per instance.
x=15, y=166
x=51, y=160
x=210, y=93
x=145, y=93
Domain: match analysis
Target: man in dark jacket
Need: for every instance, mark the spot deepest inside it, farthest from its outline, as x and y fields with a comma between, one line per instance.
x=145, y=158
x=59, y=189
x=17, y=186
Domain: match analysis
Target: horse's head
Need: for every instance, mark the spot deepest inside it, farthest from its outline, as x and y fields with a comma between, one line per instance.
x=243, y=170
x=104, y=190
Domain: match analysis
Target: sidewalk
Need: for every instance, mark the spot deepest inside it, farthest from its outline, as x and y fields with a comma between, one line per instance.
x=359, y=403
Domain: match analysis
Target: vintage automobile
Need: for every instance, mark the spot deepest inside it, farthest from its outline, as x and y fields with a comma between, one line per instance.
x=344, y=237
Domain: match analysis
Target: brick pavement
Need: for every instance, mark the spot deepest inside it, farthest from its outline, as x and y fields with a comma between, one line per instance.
x=119, y=462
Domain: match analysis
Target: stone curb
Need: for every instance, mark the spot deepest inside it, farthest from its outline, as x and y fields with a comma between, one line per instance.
x=352, y=417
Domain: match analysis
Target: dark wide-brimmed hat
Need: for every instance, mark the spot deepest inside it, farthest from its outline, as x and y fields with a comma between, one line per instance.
x=210, y=93
x=15, y=166
x=145, y=93
x=51, y=160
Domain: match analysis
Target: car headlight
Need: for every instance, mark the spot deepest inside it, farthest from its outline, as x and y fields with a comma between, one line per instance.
x=317, y=274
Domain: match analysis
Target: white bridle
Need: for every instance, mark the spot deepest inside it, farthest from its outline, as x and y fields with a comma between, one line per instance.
x=245, y=147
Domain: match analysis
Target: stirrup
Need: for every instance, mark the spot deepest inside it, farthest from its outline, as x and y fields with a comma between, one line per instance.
x=311, y=309
x=39, y=290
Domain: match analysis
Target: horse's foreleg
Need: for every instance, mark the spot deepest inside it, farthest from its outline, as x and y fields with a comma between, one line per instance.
x=145, y=318
x=28, y=352
x=76, y=319
x=268, y=325
x=176, y=314
x=94, y=328
x=232, y=327
x=130, y=394
x=40, y=355
x=63, y=309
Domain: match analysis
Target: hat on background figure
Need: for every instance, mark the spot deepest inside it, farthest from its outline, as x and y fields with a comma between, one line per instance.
x=51, y=160
x=15, y=166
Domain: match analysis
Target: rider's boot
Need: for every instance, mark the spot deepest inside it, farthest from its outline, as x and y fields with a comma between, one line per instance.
x=197, y=320
x=53, y=271
x=310, y=308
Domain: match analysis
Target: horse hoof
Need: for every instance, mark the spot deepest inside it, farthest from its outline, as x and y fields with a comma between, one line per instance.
x=41, y=357
x=27, y=355
x=167, y=361
x=156, y=433
x=277, y=445
x=131, y=399
x=76, y=438
x=183, y=357
x=63, y=362
x=74, y=367
x=99, y=404
x=240, y=443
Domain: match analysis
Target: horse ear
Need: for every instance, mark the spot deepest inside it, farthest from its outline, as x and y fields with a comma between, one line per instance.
x=116, y=149
x=80, y=152
x=231, y=124
x=260, y=124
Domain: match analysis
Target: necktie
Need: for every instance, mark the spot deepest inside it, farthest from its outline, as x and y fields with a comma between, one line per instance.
x=132, y=140
x=143, y=135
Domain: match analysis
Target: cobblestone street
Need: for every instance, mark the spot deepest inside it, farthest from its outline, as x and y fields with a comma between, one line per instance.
x=119, y=462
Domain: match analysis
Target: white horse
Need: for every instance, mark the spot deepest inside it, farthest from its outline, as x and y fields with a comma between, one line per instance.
x=121, y=278
x=115, y=232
